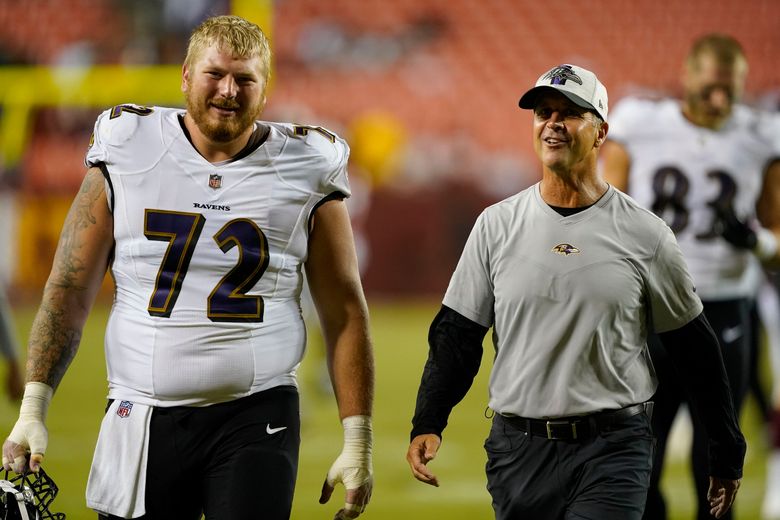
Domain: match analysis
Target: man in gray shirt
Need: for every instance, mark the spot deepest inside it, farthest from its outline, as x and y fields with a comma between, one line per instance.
x=572, y=275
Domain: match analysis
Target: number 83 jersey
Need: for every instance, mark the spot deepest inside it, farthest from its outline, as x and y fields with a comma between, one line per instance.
x=208, y=257
x=680, y=170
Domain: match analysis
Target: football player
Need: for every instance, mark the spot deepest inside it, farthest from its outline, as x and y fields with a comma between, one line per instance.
x=206, y=218
x=707, y=165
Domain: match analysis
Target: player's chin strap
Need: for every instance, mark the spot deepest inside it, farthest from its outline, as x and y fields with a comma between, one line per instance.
x=8, y=489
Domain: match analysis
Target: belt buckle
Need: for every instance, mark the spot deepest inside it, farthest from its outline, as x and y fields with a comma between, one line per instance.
x=551, y=424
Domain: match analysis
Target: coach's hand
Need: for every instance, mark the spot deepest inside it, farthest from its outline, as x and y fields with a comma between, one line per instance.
x=721, y=495
x=422, y=450
x=353, y=468
x=29, y=434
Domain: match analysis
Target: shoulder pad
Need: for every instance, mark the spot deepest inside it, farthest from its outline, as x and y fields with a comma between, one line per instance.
x=635, y=106
x=631, y=115
x=321, y=141
x=762, y=124
x=118, y=124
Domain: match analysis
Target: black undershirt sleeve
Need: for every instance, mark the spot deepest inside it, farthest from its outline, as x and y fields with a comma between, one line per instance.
x=695, y=351
x=454, y=356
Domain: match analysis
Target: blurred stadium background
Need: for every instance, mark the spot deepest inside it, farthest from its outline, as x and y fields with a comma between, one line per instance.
x=426, y=93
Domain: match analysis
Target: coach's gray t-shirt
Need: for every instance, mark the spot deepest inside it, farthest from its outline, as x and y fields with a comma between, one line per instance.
x=571, y=300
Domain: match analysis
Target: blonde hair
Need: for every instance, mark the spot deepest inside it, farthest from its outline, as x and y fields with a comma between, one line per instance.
x=725, y=49
x=231, y=33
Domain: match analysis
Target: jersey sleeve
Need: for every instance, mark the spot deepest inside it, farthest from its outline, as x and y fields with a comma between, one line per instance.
x=773, y=128
x=113, y=128
x=330, y=154
x=338, y=180
x=470, y=291
x=625, y=117
x=672, y=294
x=97, y=152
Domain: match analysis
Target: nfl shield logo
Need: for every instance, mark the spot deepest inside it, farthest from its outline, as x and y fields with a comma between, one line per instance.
x=124, y=409
x=215, y=181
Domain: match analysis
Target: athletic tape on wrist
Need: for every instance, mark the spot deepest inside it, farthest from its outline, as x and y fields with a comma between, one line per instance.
x=766, y=244
x=35, y=403
x=358, y=437
x=358, y=432
x=353, y=466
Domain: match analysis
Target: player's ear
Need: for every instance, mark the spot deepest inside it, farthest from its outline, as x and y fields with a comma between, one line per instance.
x=185, y=77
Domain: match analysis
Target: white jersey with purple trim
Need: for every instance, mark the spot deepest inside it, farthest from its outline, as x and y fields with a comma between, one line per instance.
x=208, y=257
x=679, y=170
x=571, y=300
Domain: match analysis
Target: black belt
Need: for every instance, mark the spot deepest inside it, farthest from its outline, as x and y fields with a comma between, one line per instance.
x=579, y=427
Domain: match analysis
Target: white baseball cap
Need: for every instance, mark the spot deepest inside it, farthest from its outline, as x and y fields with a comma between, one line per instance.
x=581, y=86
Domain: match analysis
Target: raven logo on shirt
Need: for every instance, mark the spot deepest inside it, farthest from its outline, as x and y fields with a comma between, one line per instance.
x=565, y=249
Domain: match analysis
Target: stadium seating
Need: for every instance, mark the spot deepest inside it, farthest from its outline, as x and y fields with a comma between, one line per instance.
x=445, y=69
x=469, y=71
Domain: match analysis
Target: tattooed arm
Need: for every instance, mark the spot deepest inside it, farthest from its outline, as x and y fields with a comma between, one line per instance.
x=79, y=266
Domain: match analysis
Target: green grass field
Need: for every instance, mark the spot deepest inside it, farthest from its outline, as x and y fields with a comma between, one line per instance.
x=399, y=330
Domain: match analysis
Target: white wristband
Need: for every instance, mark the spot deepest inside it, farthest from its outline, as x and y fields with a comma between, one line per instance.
x=766, y=244
x=35, y=403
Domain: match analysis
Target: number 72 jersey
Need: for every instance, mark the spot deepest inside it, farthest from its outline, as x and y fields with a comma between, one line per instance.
x=208, y=257
x=680, y=170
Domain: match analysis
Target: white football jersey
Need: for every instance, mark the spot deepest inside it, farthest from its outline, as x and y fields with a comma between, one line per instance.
x=679, y=170
x=571, y=301
x=208, y=257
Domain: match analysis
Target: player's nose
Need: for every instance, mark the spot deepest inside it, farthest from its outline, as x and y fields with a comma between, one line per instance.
x=228, y=87
x=719, y=98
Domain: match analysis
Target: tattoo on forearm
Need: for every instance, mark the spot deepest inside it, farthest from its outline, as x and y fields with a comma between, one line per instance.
x=53, y=345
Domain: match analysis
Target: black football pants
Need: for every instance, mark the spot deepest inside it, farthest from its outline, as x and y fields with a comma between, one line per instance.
x=229, y=461
x=731, y=322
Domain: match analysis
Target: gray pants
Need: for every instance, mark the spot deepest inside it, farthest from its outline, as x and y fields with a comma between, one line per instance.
x=604, y=477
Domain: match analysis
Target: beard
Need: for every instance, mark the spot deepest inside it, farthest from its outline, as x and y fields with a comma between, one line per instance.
x=218, y=129
x=705, y=113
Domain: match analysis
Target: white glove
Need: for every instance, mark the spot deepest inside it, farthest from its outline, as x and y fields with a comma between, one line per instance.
x=29, y=433
x=766, y=244
x=352, y=467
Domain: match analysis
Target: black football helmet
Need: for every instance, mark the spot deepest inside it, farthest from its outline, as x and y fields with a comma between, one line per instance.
x=28, y=497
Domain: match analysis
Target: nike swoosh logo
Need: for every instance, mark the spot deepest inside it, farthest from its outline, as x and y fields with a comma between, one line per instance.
x=271, y=431
x=732, y=334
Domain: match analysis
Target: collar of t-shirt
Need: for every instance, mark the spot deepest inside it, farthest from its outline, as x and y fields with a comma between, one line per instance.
x=258, y=137
x=567, y=212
